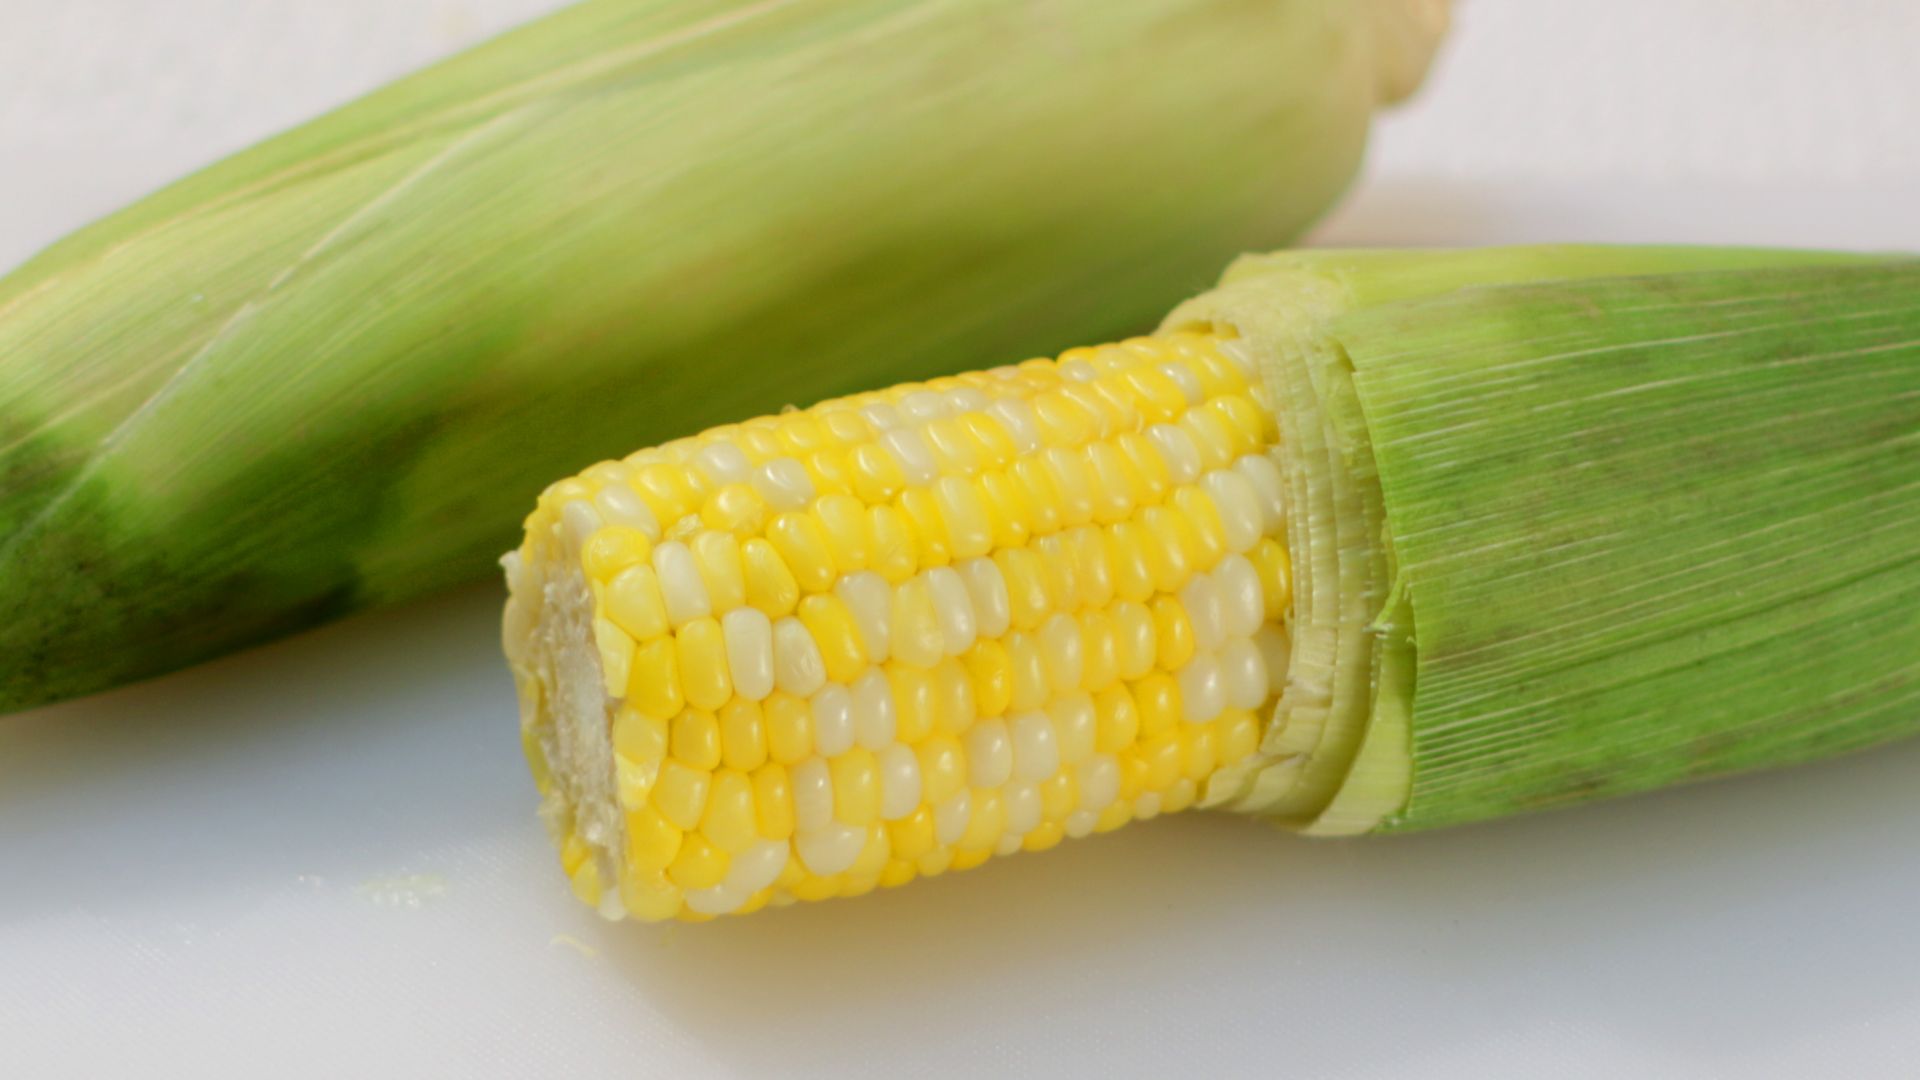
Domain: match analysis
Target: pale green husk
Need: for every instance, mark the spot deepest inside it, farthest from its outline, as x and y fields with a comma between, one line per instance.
x=330, y=373
x=1572, y=522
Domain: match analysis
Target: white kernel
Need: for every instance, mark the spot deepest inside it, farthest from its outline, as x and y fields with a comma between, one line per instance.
x=1098, y=779
x=1036, y=752
x=874, y=720
x=1237, y=351
x=1238, y=505
x=1080, y=823
x=1078, y=371
x=1177, y=450
x=1203, y=691
x=757, y=867
x=1023, y=806
x=909, y=450
x=784, y=483
x=870, y=601
x=1201, y=599
x=812, y=781
x=992, y=607
x=882, y=416
x=922, y=406
x=1017, y=417
x=578, y=520
x=833, y=731
x=749, y=635
x=1008, y=844
x=1276, y=650
x=1243, y=674
x=1005, y=372
x=1076, y=725
x=1186, y=380
x=1270, y=487
x=621, y=505
x=680, y=584
x=953, y=604
x=899, y=782
x=1243, y=604
x=830, y=848
x=989, y=753
x=724, y=463
x=1062, y=652
x=966, y=400
x=1147, y=806
x=950, y=817
x=798, y=667
x=717, y=900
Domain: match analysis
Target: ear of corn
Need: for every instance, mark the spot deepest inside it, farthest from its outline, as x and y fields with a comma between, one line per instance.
x=318, y=377
x=1416, y=539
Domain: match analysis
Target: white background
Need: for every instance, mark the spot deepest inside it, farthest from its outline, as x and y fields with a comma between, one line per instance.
x=319, y=859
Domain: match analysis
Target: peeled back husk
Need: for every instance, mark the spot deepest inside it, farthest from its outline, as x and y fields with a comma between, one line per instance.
x=324, y=375
x=1574, y=522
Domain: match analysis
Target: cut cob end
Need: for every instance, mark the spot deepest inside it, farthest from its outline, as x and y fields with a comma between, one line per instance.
x=902, y=632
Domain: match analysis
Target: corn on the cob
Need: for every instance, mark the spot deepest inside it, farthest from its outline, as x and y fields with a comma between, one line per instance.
x=316, y=377
x=897, y=633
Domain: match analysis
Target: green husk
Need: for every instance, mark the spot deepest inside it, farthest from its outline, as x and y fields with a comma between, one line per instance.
x=327, y=374
x=1574, y=522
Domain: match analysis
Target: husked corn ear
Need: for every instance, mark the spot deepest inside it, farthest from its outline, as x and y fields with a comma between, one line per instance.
x=901, y=632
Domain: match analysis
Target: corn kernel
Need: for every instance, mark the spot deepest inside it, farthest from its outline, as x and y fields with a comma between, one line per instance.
x=789, y=728
x=1024, y=572
x=955, y=453
x=990, y=672
x=1114, y=482
x=1243, y=420
x=1030, y=688
x=616, y=656
x=681, y=793
x=988, y=822
x=1100, y=650
x=1173, y=631
x=1073, y=485
x=836, y=635
x=912, y=836
x=843, y=522
x=1038, y=494
x=963, y=510
x=831, y=472
x=1163, y=756
x=633, y=602
x=1157, y=696
x=1136, y=640
x=1006, y=507
x=667, y=490
x=649, y=894
x=893, y=556
x=915, y=636
x=943, y=767
x=1167, y=547
x=736, y=509
x=696, y=740
x=856, y=786
x=1199, y=751
x=700, y=865
x=1276, y=577
x=704, y=677
x=802, y=547
x=1042, y=836
x=1178, y=796
x=1207, y=534
x=612, y=549
x=743, y=734
x=1059, y=571
x=877, y=478
x=1238, y=735
x=1210, y=437
x=1118, y=720
x=1062, y=653
x=1063, y=421
x=717, y=555
x=639, y=737
x=996, y=446
x=729, y=818
x=1133, y=559
x=653, y=686
x=921, y=511
x=1092, y=573
x=954, y=705
x=874, y=855
x=773, y=812
x=1059, y=795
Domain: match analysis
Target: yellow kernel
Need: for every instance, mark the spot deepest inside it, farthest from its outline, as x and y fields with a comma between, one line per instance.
x=954, y=706
x=586, y=883
x=729, y=819
x=1117, y=720
x=616, y=655
x=1006, y=506
x=612, y=549
x=996, y=446
x=562, y=492
x=1060, y=571
x=1149, y=468
x=915, y=635
x=831, y=472
x=1174, y=633
x=1059, y=794
x=773, y=813
x=800, y=434
x=667, y=491
x=856, y=786
x=1111, y=411
x=1025, y=572
x=700, y=865
x=1217, y=374
x=1158, y=699
x=653, y=684
x=876, y=476
x=846, y=426
x=1073, y=483
x=954, y=451
x=1162, y=753
x=990, y=671
x=681, y=793
x=912, y=836
x=1209, y=434
x=717, y=555
x=1038, y=493
x=968, y=858
x=704, y=677
x=1178, y=796
x=1043, y=836
x=1159, y=397
x=736, y=509
x=1113, y=483
x=1092, y=573
x=1276, y=577
x=969, y=528
x=1200, y=751
x=755, y=902
x=989, y=820
x=843, y=522
x=1063, y=421
x=815, y=887
x=573, y=852
x=893, y=555
x=935, y=862
x=836, y=634
x=1029, y=671
x=649, y=895
x=1208, y=534
x=943, y=767
x=802, y=546
x=873, y=858
x=1117, y=813
x=1100, y=656
x=770, y=585
x=696, y=740
x=898, y=873
x=922, y=514
x=1166, y=547
x=1133, y=774
x=1243, y=420
x=743, y=734
x=1132, y=567
x=639, y=737
x=633, y=602
x=789, y=728
x=759, y=443
x=1238, y=734
x=1136, y=645
x=913, y=702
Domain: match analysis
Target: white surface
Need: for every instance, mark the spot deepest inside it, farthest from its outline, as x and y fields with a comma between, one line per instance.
x=319, y=859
